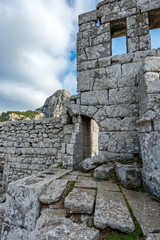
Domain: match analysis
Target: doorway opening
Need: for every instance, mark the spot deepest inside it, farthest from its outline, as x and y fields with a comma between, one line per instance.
x=89, y=135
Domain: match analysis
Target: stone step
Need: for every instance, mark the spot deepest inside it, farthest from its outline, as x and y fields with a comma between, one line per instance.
x=111, y=210
x=53, y=224
x=53, y=192
x=146, y=211
x=86, y=182
x=80, y=201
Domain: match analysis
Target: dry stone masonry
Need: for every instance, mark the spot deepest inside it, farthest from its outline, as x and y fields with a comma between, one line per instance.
x=114, y=116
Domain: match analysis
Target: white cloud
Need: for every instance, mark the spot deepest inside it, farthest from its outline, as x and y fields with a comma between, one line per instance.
x=36, y=41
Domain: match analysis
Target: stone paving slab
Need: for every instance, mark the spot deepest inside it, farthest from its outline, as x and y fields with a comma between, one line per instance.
x=111, y=210
x=146, y=211
x=107, y=186
x=153, y=237
x=86, y=182
x=54, y=173
x=70, y=178
x=53, y=192
x=79, y=173
x=53, y=224
x=80, y=201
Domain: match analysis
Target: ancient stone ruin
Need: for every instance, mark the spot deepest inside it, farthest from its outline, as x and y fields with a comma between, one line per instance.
x=115, y=116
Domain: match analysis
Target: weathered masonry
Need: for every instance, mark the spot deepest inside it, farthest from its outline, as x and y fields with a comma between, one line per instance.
x=116, y=114
x=120, y=93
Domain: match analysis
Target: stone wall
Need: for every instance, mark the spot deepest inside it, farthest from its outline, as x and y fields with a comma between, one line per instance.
x=149, y=124
x=29, y=147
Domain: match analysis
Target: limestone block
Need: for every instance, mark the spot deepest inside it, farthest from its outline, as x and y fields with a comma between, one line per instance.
x=122, y=95
x=88, y=17
x=152, y=64
x=150, y=6
x=22, y=198
x=85, y=182
x=104, y=171
x=132, y=22
x=150, y=102
x=104, y=62
x=80, y=201
x=83, y=66
x=133, y=44
x=103, y=138
x=85, y=80
x=108, y=78
x=68, y=129
x=123, y=142
x=88, y=111
x=70, y=149
x=100, y=39
x=122, y=110
x=153, y=236
x=145, y=210
x=54, y=224
x=74, y=109
x=118, y=124
x=53, y=192
x=86, y=26
x=94, y=98
x=129, y=175
x=98, y=51
x=152, y=81
x=95, y=161
x=111, y=210
x=10, y=232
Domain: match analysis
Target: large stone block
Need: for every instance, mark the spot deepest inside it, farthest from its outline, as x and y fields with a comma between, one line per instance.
x=94, y=98
x=129, y=175
x=88, y=17
x=123, y=95
x=152, y=64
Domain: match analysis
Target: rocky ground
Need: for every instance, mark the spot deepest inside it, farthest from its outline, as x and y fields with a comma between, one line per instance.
x=76, y=206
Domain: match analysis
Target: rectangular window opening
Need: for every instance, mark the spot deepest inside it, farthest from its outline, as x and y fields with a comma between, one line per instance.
x=118, y=35
x=154, y=26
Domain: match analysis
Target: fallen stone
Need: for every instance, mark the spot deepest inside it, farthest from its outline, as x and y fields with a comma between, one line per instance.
x=111, y=210
x=104, y=172
x=93, y=162
x=22, y=206
x=53, y=192
x=129, y=175
x=80, y=201
x=53, y=224
x=145, y=210
x=86, y=182
x=153, y=237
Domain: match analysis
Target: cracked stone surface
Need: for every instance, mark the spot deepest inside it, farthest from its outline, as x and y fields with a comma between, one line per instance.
x=146, y=211
x=111, y=210
x=70, y=178
x=80, y=201
x=53, y=192
x=107, y=186
x=86, y=182
x=153, y=237
x=53, y=224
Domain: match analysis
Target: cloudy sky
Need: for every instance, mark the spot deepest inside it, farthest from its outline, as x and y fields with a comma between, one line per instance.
x=37, y=50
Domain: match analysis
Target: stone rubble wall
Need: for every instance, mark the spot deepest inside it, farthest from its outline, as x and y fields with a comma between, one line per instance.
x=29, y=147
x=149, y=124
